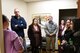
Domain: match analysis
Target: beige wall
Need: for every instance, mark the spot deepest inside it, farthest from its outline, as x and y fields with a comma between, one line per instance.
x=50, y=7
x=9, y=5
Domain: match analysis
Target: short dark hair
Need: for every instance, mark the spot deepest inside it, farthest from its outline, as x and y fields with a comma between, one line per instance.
x=4, y=18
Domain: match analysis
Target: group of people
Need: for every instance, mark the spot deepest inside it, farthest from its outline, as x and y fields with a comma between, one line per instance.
x=67, y=37
x=64, y=26
x=15, y=38
x=34, y=34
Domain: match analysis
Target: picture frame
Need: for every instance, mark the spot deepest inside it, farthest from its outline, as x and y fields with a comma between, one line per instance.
x=42, y=17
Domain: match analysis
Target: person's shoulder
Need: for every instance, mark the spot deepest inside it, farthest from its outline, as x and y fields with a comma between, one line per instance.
x=55, y=23
x=12, y=17
x=30, y=25
x=46, y=23
x=21, y=17
x=7, y=30
x=13, y=34
x=11, y=31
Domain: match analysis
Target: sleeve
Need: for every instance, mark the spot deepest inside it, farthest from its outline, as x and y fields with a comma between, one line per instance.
x=40, y=34
x=56, y=29
x=46, y=30
x=63, y=32
x=30, y=33
x=23, y=24
x=40, y=31
x=17, y=42
x=13, y=23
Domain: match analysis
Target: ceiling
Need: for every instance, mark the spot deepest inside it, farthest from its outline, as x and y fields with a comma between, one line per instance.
x=45, y=0
x=34, y=0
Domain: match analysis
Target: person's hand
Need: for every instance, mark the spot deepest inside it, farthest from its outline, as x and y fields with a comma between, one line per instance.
x=20, y=50
x=63, y=42
x=21, y=39
x=62, y=48
x=51, y=34
x=16, y=25
x=21, y=24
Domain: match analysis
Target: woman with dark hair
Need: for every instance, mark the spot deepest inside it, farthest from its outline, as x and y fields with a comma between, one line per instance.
x=68, y=37
x=34, y=34
x=68, y=32
x=61, y=28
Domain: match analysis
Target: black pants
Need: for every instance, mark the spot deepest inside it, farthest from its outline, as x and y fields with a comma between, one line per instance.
x=35, y=49
x=68, y=49
x=77, y=49
x=24, y=45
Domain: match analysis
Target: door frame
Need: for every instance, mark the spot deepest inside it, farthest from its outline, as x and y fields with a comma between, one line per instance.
x=1, y=31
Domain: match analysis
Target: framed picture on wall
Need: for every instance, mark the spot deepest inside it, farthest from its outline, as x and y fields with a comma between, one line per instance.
x=42, y=17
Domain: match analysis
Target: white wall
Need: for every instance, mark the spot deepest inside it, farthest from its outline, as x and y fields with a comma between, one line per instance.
x=50, y=7
x=27, y=9
x=8, y=7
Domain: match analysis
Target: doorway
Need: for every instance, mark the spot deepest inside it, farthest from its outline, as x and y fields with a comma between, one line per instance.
x=67, y=13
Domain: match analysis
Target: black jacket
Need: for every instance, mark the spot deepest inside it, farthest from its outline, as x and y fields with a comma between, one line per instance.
x=31, y=35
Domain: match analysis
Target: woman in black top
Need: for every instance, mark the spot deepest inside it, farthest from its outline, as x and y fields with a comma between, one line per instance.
x=68, y=37
x=34, y=34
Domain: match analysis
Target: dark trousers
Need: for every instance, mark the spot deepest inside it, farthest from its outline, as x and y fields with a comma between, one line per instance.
x=24, y=44
x=77, y=49
x=35, y=49
x=68, y=49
